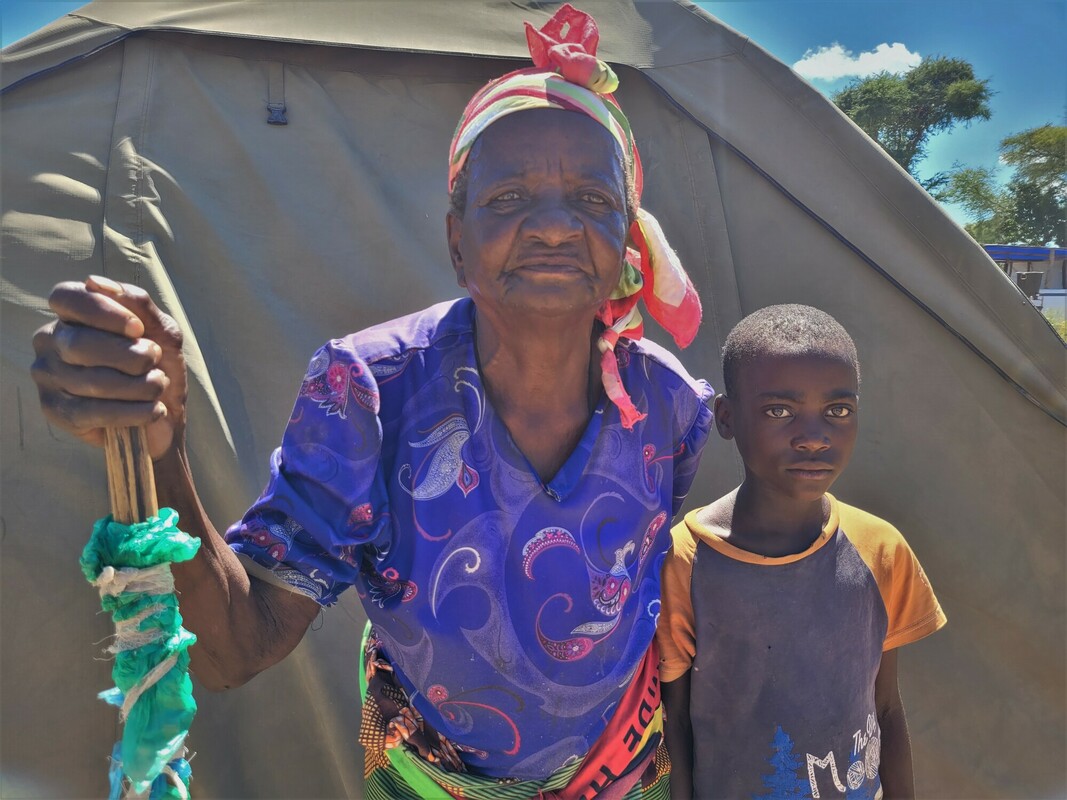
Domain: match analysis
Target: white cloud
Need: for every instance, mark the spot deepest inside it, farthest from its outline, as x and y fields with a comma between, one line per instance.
x=834, y=62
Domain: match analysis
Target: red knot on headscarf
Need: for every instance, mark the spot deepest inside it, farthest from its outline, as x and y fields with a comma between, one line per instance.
x=567, y=75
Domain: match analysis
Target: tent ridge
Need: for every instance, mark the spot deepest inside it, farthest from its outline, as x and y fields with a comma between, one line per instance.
x=1053, y=414
x=68, y=62
x=800, y=106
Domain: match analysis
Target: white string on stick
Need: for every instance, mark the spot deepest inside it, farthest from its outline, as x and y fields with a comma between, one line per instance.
x=150, y=580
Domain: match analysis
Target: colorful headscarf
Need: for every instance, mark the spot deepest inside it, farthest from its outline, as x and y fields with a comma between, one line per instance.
x=567, y=75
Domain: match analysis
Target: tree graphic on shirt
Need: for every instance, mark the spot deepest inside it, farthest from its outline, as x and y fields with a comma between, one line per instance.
x=786, y=781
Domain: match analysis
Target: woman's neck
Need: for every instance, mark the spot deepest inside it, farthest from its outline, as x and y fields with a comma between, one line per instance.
x=539, y=366
x=543, y=380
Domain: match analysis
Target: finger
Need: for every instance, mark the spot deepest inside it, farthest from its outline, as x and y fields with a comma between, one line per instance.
x=82, y=415
x=75, y=303
x=100, y=383
x=157, y=325
x=80, y=346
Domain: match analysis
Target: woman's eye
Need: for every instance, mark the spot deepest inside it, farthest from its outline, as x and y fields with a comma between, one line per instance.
x=778, y=412
x=506, y=197
x=840, y=411
x=595, y=198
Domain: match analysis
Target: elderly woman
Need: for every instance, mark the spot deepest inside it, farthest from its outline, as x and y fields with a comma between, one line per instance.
x=495, y=475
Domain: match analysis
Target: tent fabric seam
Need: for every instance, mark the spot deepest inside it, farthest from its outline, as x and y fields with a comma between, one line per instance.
x=729, y=240
x=70, y=61
x=318, y=42
x=701, y=226
x=128, y=32
x=793, y=103
x=642, y=64
x=138, y=194
x=865, y=258
x=875, y=189
x=192, y=44
x=105, y=199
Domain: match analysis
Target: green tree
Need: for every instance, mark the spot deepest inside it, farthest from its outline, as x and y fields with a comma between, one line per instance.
x=902, y=111
x=1031, y=209
x=1039, y=155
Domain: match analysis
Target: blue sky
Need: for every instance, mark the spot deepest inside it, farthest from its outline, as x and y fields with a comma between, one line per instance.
x=21, y=17
x=1016, y=44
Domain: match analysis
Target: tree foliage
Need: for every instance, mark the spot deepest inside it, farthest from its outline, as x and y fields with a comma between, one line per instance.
x=1032, y=208
x=902, y=111
x=1039, y=155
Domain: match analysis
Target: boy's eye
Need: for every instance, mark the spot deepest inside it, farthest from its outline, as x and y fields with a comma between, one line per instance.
x=839, y=411
x=778, y=412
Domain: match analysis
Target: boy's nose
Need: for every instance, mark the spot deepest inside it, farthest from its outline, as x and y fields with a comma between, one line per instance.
x=812, y=441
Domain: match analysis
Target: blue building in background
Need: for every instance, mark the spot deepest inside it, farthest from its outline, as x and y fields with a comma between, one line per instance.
x=1039, y=272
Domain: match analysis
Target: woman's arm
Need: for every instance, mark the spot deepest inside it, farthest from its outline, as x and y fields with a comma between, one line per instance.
x=243, y=625
x=112, y=358
x=895, y=772
x=678, y=732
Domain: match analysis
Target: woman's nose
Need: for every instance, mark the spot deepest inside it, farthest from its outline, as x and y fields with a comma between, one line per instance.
x=552, y=221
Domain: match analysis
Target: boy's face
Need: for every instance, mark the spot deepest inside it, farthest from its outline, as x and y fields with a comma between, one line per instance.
x=794, y=419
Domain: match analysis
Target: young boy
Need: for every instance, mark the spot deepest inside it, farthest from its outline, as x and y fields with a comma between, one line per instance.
x=783, y=607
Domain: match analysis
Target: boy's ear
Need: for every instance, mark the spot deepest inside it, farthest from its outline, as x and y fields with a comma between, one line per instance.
x=724, y=421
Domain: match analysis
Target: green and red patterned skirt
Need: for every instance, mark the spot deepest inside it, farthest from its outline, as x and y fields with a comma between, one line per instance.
x=407, y=760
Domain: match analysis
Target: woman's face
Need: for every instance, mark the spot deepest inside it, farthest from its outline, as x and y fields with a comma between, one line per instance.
x=545, y=224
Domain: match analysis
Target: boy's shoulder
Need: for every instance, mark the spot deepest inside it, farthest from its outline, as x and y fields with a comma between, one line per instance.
x=876, y=539
x=702, y=524
x=909, y=599
x=865, y=529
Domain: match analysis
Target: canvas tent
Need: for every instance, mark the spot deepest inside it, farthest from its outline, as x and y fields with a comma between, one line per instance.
x=136, y=144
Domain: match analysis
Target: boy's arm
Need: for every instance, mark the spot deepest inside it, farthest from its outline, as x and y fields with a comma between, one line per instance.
x=895, y=772
x=678, y=733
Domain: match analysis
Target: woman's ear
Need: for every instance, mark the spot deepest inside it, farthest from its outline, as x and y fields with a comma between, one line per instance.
x=454, y=228
x=724, y=423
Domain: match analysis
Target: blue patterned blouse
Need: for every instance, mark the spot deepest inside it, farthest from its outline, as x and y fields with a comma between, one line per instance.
x=514, y=611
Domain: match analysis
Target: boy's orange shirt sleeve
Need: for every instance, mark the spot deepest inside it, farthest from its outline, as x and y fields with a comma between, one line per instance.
x=676, y=629
x=910, y=603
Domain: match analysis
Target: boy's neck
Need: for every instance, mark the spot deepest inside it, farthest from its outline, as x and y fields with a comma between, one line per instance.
x=771, y=524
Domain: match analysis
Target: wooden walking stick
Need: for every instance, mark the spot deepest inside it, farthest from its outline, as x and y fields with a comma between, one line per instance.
x=128, y=560
x=131, y=481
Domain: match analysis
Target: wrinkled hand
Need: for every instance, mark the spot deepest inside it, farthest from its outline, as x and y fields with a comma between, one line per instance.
x=111, y=359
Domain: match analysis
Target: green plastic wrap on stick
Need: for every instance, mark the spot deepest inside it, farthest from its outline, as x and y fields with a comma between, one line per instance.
x=150, y=631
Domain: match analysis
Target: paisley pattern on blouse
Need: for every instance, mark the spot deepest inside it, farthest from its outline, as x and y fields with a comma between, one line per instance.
x=512, y=610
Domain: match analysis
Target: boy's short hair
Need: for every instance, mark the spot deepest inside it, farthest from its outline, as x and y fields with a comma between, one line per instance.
x=785, y=330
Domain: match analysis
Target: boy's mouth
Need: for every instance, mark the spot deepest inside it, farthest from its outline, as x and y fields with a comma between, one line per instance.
x=811, y=470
